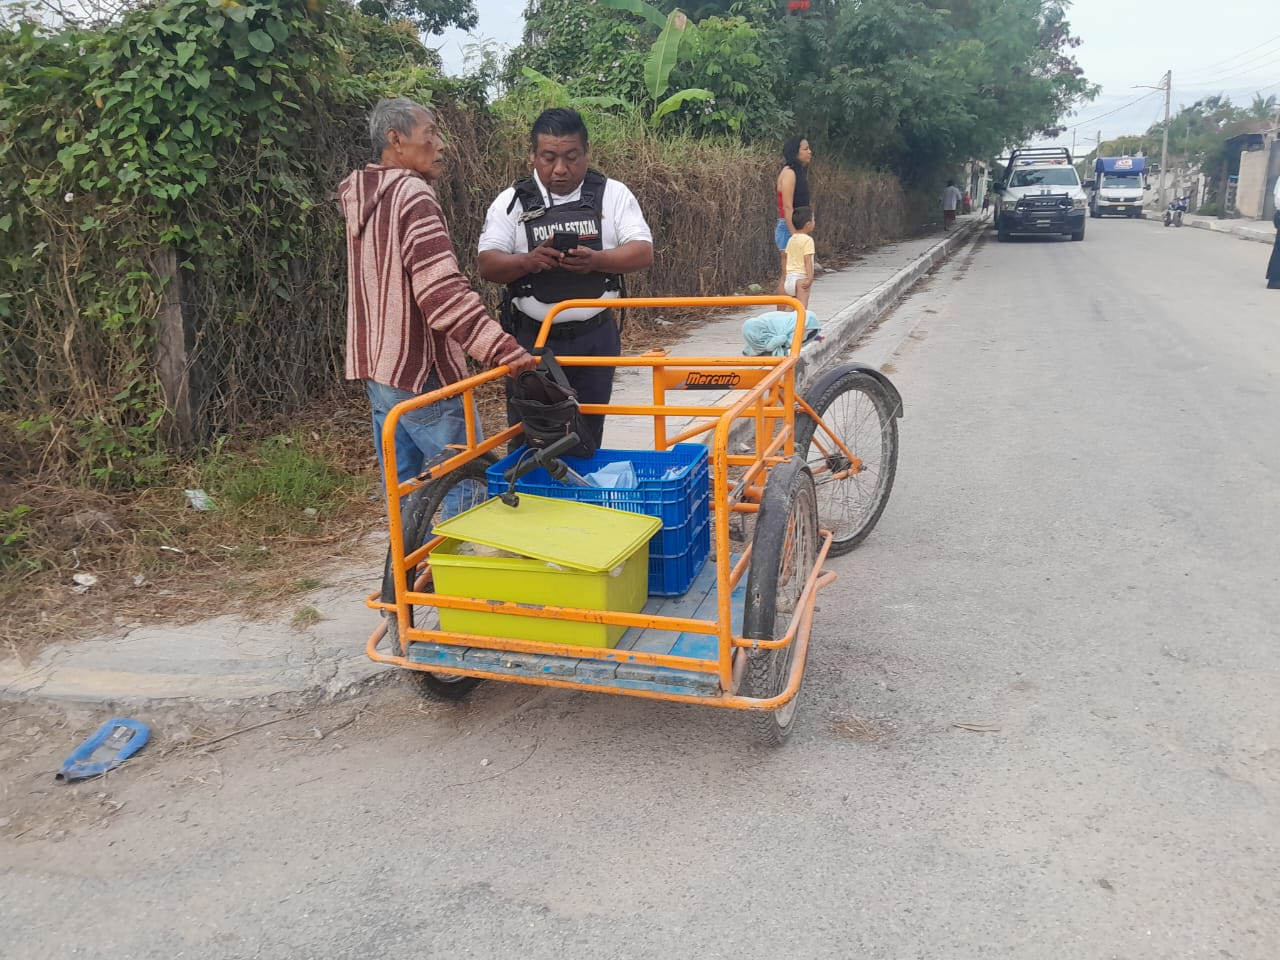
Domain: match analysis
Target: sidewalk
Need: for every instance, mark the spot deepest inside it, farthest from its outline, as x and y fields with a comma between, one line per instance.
x=232, y=663
x=1260, y=230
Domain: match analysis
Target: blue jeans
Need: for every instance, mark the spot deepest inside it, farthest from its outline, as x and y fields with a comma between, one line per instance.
x=422, y=434
x=781, y=235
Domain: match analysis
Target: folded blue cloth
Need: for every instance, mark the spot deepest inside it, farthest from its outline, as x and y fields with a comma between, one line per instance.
x=620, y=475
x=771, y=333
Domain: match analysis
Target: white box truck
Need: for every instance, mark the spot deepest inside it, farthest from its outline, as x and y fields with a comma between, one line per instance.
x=1118, y=186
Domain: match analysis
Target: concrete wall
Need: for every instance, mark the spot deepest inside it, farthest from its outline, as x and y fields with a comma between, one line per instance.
x=1251, y=187
x=1269, y=207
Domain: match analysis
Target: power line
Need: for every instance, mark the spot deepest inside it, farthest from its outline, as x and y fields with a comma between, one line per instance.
x=1241, y=70
x=1102, y=116
x=1211, y=66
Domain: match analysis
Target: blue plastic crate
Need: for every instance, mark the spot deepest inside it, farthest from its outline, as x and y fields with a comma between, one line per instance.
x=681, y=501
x=672, y=575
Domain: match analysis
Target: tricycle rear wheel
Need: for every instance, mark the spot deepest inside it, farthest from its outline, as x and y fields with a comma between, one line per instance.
x=463, y=488
x=784, y=550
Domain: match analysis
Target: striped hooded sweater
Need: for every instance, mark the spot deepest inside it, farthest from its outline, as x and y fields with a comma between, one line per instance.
x=409, y=307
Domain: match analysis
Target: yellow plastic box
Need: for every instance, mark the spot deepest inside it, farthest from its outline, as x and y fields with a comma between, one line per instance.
x=572, y=555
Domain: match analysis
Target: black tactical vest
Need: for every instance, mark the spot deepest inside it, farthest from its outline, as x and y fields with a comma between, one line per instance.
x=583, y=217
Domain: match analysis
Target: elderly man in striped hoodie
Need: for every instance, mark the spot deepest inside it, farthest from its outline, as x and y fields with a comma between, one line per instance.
x=411, y=314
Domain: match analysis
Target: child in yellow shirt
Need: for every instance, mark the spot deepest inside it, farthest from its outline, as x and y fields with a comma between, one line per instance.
x=799, y=277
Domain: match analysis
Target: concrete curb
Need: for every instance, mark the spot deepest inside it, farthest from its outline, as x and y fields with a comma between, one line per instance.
x=226, y=663
x=131, y=692
x=1229, y=228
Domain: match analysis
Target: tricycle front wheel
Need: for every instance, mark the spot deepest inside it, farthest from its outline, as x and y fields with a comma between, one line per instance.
x=784, y=550
x=859, y=412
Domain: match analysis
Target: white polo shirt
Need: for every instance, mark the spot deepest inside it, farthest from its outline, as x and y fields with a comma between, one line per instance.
x=620, y=222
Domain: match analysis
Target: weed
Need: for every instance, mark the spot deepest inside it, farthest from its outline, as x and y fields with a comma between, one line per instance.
x=306, y=617
x=14, y=533
x=280, y=471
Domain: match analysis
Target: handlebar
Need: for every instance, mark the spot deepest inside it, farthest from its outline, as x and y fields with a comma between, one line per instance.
x=547, y=457
x=541, y=458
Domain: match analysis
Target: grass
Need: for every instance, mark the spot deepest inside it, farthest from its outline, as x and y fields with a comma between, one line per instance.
x=306, y=617
x=279, y=474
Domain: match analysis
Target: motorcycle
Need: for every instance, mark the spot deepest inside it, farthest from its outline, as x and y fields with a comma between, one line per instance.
x=1177, y=207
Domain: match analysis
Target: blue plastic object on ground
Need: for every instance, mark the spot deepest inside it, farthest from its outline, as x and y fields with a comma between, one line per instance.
x=110, y=745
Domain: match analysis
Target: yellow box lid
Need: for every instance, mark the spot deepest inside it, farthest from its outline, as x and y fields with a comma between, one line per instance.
x=581, y=536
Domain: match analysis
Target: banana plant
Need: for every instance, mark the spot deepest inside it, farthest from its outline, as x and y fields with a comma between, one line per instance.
x=663, y=56
x=557, y=93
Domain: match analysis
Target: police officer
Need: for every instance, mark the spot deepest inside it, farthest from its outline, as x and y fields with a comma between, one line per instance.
x=566, y=232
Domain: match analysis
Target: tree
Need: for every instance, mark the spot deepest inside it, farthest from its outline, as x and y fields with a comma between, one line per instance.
x=1262, y=108
x=723, y=71
x=917, y=86
x=429, y=16
x=594, y=50
x=912, y=86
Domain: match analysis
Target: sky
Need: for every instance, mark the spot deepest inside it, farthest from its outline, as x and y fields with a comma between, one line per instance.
x=1231, y=47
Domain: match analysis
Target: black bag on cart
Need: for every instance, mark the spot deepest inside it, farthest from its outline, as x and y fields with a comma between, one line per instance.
x=548, y=407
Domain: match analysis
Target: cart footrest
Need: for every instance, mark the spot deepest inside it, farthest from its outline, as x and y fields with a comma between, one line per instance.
x=589, y=672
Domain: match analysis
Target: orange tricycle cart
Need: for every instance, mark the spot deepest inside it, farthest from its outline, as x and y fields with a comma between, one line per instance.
x=694, y=581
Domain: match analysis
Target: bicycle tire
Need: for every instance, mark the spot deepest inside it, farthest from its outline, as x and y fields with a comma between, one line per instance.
x=783, y=553
x=418, y=515
x=836, y=390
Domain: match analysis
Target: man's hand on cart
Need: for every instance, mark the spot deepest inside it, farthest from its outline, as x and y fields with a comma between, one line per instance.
x=522, y=364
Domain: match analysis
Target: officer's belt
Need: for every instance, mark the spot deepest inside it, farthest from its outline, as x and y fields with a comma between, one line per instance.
x=569, y=329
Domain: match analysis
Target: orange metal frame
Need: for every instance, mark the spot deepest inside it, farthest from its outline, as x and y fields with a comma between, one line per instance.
x=769, y=400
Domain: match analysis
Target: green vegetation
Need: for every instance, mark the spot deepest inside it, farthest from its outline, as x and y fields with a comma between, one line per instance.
x=912, y=87
x=280, y=471
x=306, y=617
x=166, y=185
x=429, y=16
x=13, y=535
x=200, y=133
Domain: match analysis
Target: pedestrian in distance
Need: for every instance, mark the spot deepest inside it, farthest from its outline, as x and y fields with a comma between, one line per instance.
x=986, y=204
x=798, y=281
x=412, y=317
x=565, y=232
x=792, y=191
x=950, y=202
x=1273, y=267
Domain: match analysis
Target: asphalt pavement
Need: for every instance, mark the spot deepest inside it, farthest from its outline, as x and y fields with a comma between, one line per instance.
x=1039, y=719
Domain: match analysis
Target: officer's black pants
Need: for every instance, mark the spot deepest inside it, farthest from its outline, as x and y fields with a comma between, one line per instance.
x=594, y=384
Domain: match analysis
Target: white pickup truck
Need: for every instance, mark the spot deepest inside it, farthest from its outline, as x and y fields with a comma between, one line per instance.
x=1041, y=196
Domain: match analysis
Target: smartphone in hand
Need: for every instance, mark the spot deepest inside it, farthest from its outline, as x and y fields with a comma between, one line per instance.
x=564, y=241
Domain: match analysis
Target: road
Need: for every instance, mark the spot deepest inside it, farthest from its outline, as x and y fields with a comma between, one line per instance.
x=1039, y=719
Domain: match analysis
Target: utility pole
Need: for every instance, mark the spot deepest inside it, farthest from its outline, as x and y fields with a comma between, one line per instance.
x=1164, y=140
